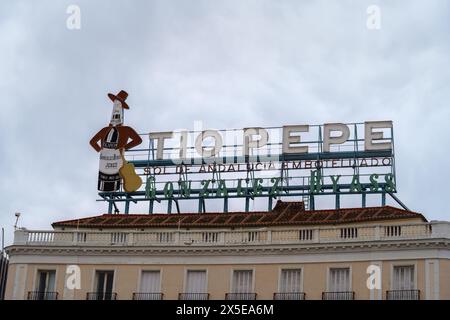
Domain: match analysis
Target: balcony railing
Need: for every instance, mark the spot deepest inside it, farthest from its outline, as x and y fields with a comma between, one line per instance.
x=289, y=296
x=246, y=237
x=148, y=296
x=343, y=295
x=40, y=295
x=403, y=295
x=193, y=296
x=101, y=296
x=240, y=296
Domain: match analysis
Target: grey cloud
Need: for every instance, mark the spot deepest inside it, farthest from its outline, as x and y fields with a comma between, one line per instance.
x=229, y=64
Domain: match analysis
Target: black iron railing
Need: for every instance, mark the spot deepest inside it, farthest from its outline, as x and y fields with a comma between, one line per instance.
x=101, y=296
x=148, y=296
x=403, y=295
x=342, y=295
x=289, y=296
x=240, y=296
x=193, y=296
x=42, y=295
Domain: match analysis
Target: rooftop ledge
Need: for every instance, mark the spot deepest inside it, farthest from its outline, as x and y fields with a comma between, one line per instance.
x=249, y=236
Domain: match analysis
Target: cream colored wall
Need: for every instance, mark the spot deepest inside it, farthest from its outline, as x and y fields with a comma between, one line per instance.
x=10, y=282
x=219, y=278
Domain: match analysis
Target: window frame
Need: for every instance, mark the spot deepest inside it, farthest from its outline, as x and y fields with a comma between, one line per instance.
x=280, y=272
x=94, y=278
x=36, y=277
x=403, y=264
x=142, y=270
x=349, y=267
x=186, y=271
x=233, y=270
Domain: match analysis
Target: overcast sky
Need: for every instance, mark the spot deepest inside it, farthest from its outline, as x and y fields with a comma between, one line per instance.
x=226, y=63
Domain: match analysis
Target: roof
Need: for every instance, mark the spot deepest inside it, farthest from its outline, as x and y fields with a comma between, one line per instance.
x=284, y=213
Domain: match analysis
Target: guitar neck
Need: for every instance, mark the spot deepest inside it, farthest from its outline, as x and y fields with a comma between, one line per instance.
x=122, y=151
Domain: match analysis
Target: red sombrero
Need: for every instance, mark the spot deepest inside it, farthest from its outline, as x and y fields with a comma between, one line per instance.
x=121, y=96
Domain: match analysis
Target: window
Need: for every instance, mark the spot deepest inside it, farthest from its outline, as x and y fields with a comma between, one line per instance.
x=195, y=286
x=46, y=281
x=196, y=281
x=290, y=280
x=339, y=285
x=290, y=287
x=242, y=281
x=403, y=284
x=403, y=278
x=45, y=286
x=150, y=286
x=150, y=282
x=103, y=286
x=242, y=286
x=339, y=280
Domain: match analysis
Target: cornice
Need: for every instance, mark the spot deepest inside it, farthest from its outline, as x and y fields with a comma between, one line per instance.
x=273, y=249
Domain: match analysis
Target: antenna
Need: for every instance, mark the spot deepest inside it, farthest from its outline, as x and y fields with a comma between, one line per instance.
x=17, y=214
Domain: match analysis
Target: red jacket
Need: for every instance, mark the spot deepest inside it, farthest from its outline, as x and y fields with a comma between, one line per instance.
x=125, y=134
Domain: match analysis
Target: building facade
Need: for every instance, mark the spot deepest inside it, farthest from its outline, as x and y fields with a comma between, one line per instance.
x=287, y=253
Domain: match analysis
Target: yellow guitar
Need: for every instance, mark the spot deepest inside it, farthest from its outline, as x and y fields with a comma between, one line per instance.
x=131, y=181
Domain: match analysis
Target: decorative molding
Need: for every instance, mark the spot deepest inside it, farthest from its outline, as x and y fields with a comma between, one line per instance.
x=233, y=258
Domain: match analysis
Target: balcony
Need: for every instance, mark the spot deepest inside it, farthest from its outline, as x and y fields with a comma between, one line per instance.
x=245, y=237
x=101, y=296
x=403, y=295
x=289, y=296
x=193, y=296
x=39, y=295
x=240, y=296
x=343, y=295
x=148, y=296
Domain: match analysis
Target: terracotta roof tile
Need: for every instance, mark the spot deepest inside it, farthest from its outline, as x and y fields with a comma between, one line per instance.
x=284, y=213
x=221, y=219
x=237, y=219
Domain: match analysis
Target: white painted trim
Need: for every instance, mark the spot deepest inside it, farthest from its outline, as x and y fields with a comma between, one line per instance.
x=427, y=280
x=437, y=279
x=214, y=259
x=429, y=293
